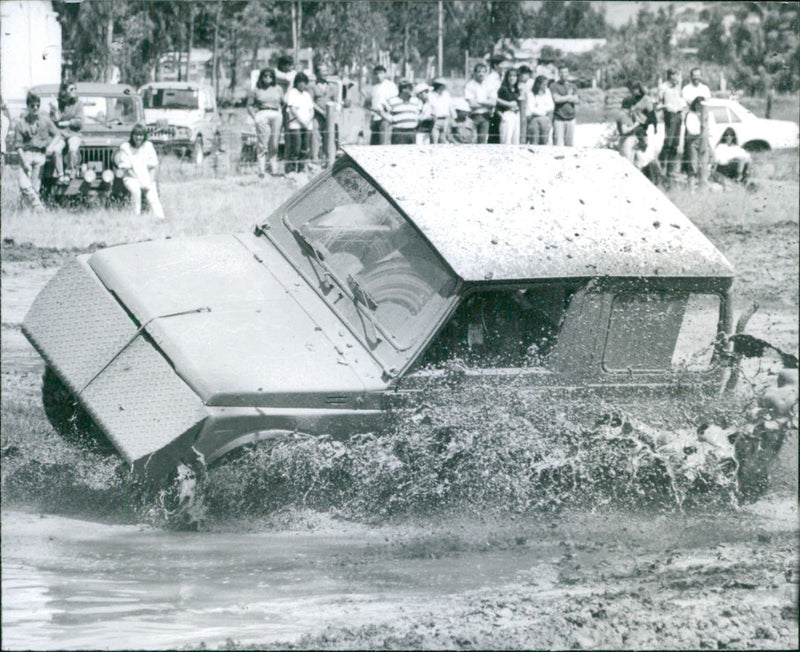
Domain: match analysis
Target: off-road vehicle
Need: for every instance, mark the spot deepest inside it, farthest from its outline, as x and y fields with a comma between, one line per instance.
x=556, y=271
x=182, y=118
x=110, y=111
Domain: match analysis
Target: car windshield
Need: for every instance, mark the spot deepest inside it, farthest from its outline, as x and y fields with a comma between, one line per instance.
x=375, y=256
x=103, y=110
x=170, y=98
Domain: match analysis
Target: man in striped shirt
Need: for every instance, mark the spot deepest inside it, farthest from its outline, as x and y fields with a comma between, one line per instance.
x=405, y=110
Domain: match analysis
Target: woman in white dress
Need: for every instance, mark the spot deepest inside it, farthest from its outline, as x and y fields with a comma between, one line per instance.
x=138, y=161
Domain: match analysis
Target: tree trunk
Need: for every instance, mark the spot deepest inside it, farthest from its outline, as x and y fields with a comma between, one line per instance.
x=109, y=43
x=215, y=50
x=189, y=44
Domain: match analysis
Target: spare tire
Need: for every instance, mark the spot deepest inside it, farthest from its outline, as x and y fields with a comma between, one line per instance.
x=68, y=416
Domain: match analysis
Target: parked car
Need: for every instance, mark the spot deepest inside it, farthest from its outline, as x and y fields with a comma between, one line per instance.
x=753, y=133
x=355, y=297
x=182, y=118
x=110, y=112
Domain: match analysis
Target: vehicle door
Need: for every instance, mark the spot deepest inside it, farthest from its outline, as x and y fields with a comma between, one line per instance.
x=497, y=342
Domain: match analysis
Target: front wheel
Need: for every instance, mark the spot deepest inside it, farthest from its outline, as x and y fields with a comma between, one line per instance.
x=68, y=416
x=197, y=151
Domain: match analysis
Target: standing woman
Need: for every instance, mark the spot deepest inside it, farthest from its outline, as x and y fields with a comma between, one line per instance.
x=264, y=106
x=508, y=107
x=137, y=159
x=540, y=112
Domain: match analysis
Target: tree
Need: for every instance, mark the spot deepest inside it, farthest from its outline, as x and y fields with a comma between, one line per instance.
x=347, y=32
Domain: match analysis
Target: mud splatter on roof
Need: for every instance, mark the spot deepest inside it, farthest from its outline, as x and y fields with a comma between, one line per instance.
x=518, y=212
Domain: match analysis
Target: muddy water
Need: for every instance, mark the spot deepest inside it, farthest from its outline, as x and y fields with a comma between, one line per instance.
x=76, y=584
x=86, y=584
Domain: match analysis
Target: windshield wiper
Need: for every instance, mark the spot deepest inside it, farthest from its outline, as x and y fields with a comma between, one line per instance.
x=313, y=252
x=361, y=296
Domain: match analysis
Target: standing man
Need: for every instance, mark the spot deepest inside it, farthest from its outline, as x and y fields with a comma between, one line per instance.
x=441, y=105
x=382, y=90
x=482, y=99
x=695, y=88
x=694, y=94
x=33, y=132
x=67, y=114
x=323, y=92
x=671, y=102
x=565, y=97
x=405, y=110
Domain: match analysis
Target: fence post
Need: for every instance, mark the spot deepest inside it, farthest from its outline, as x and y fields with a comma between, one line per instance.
x=703, y=149
x=331, y=113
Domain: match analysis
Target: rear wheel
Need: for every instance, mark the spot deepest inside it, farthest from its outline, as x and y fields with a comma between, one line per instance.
x=756, y=146
x=68, y=417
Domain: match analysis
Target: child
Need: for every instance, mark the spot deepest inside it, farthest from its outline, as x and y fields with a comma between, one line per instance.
x=643, y=158
x=462, y=129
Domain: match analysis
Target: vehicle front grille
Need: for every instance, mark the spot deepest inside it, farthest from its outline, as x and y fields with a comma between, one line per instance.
x=95, y=155
x=158, y=131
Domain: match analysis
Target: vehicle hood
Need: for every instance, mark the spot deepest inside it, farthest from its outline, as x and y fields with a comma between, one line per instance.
x=176, y=117
x=102, y=136
x=229, y=322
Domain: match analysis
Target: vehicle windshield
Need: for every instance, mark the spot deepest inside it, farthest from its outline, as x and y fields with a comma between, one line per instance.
x=102, y=110
x=376, y=257
x=170, y=98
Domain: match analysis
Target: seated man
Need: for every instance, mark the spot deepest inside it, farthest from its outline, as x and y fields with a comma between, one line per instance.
x=31, y=134
x=67, y=114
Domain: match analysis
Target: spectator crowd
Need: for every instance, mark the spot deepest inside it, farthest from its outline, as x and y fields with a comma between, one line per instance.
x=509, y=108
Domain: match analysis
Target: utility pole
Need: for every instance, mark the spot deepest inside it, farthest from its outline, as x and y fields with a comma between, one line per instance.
x=441, y=38
x=295, y=47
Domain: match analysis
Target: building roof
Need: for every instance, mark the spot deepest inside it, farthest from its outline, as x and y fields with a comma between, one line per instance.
x=530, y=48
x=87, y=88
x=177, y=85
x=511, y=212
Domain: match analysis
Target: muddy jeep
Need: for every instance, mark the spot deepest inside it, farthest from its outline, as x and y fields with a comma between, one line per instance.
x=110, y=111
x=182, y=118
x=559, y=271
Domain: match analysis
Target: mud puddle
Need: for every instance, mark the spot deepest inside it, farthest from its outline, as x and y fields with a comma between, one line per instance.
x=78, y=585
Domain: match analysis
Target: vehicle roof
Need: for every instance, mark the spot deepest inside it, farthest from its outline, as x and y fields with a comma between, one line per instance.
x=88, y=88
x=176, y=85
x=512, y=212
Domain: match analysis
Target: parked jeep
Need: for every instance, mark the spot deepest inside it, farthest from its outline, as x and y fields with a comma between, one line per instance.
x=182, y=118
x=110, y=111
x=555, y=271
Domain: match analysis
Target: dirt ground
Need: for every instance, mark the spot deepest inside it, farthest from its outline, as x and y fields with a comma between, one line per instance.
x=582, y=579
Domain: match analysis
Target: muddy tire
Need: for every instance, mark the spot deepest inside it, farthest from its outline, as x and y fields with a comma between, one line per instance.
x=69, y=418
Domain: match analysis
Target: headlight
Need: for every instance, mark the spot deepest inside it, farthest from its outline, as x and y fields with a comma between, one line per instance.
x=107, y=176
x=119, y=173
x=89, y=176
x=183, y=132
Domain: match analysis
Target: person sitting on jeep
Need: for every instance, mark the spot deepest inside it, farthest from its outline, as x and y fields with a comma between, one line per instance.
x=31, y=134
x=67, y=114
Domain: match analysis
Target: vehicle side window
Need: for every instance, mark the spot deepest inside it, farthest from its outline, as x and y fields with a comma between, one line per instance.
x=502, y=328
x=658, y=331
x=720, y=114
x=733, y=116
